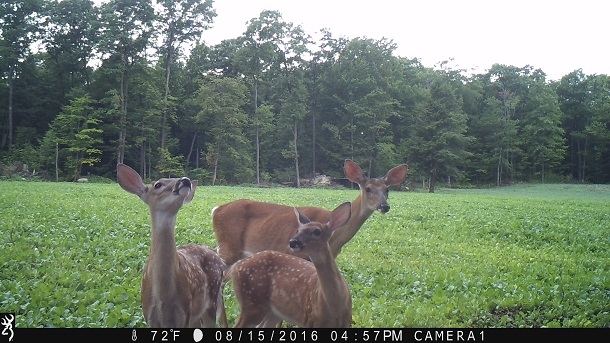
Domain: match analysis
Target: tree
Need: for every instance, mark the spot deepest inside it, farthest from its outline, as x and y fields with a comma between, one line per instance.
x=598, y=129
x=126, y=35
x=292, y=111
x=290, y=92
x=438, y=142
x=70, y=38
x=317, y=79
x=75, y=129
x=361, y=83
x=265, y=122
x=542, y=136
x=143, y=63
x=180, y=22
x=256, y=57
x=585, y=102
x=496, y=126
x=487, y=126
x=168, y=165
x=146, y=105
x=221, y=101
x=19, y=21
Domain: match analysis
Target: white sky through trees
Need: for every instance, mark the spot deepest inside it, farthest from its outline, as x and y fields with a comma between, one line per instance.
x=556, y=36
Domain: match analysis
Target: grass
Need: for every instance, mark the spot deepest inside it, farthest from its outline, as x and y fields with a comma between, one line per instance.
x=520, y=256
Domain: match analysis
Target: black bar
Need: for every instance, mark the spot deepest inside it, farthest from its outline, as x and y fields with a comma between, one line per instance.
x=309, y=335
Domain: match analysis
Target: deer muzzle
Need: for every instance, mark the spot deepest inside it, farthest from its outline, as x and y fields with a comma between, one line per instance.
x=383, y=208
x=295, y=244
x=184, y=182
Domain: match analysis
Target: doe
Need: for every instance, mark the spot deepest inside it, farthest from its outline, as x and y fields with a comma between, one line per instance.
x=244, y=227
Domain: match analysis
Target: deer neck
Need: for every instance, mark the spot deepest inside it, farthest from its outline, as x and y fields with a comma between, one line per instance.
x=360, y=213
x=331, y=283
x=163, y=256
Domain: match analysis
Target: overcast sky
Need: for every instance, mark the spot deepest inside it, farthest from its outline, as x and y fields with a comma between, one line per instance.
x=556, y=36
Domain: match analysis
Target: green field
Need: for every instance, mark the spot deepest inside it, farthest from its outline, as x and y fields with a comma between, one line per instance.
x=520, y=256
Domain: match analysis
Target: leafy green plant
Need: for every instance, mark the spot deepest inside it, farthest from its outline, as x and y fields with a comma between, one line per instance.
x=519, y=256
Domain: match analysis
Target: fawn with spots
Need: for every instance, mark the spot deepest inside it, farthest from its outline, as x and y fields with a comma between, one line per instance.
x=272, y=286
x=181, y=287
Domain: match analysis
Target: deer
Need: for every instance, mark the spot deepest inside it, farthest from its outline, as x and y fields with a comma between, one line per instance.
x=181, y=286
x=271, y=286
x=244, y=227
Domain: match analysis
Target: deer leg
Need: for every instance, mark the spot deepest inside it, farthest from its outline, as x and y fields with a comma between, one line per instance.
x=271, y=320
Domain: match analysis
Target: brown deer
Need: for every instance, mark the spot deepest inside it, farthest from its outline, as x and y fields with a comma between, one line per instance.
x=271, y=286
x=181, y=287
x=244, y=227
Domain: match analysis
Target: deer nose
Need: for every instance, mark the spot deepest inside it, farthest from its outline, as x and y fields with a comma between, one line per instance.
x=185, y=182
x=295, y=244
x=383, y=208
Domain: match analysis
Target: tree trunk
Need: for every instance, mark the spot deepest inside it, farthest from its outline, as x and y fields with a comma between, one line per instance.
x=313, y=144
x=188, y=158
x=168, y=61
x=11, y=72
x=197, y=157
x=510, y=157
x=584, y=157
x=123, y=120
x=78, y=166
x=499, y=170
x=215, y=169
x=149, y=155
x=296, y=152
x=56, y=161
x=258, y=151
x=579, y=161
x=143, y=159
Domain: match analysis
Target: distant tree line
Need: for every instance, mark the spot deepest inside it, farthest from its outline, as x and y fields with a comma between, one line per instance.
x=85, y=87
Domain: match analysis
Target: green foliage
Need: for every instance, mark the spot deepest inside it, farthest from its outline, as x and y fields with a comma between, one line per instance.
x=170, y=166
x=264, y=118
x=265, y=102
x=71, y=35
x=23, y=151
x=584, y=102
x=202, y=175
x=221, y=101
x=438, y=144
x=519, y=256
x=359, y=84
x=543, y=136
x=75, y=129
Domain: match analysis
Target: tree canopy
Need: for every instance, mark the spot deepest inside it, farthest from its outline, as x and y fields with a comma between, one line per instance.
x=86, y=86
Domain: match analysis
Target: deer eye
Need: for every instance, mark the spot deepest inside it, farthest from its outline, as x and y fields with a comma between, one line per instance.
x=158, y=185
x=368, y=189
x=316, y=233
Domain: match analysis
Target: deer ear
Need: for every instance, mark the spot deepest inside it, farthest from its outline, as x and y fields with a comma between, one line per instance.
x=396, y=175
x=301, y=218
x=340, y=215
x=130, y=180
x=353, y=172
